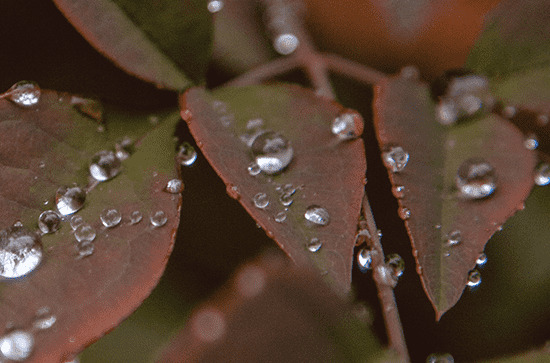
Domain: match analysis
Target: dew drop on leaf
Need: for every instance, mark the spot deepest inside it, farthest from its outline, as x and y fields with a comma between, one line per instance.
x=314, y=244
x=135, y=217
x=186, y=154
x=272, y=152
x=124, y=148
x=454, y=238
x=286, y=199
x=254, y=169
x=49, y=221
x=286, y=44
x=104, y=165
x=17, y=345
x=317, y=215
x=110, y=217
x=542, y=174
x=84, y=233
x=69, y=199
x=404, y=213
x=261, y=200
x=44, y=319
x=174, y=186
x=76, y=221
x=474, y=278
x=85, y=249
x=440, y=358
x=398, y=191
x=158, y=218
x=395, y=159
x=24, y=93
x=254, y=124
x=481, y=260
x=215, y=5
x=347, y=126
x=20, y=252
x=280, y=217
x=476, y=179
x=531, y=142
x=364, y=259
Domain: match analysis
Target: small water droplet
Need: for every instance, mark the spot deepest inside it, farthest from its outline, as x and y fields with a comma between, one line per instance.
x=364, y=259
x=348, y=125
x=124, y=148
x=85, y=249
x=233, y=191
x=272, y=152
x=395, y=159
x=49, y=221
x=88, y=107
x=362, y=236
x=84, y=233
x=42, y=164
x=20, y=252
x=69, y=199
x=509, y=111
x=379, y=233
x=280, y=217
x=186, y=154
x=135, y=217
x=110, y=217
x=396, y=263
x=531, y=142
x=286, y=199
x=476, y=179
x=174, y=186
x=317, y=215
x=474, y=278
x=214, y=6
x=454, y=238
x=481, y=260
x=17, y=345
x=314, y=244
x=44, y=319
x=254, y=169
x=440, y=358
x=404, y=213
x=104, y=165
x=208, y=324
x=158, y=218
x=254, y=124
x=542, y=174
x=261, y=200
x=24, y=93
x=286, y=44
x=76, y=221
x=398, y=191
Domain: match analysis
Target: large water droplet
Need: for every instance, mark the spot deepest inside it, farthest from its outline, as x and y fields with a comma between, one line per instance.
x=214, y=6
x=314, y=244
x=44, y=319
x=454, y=238
x=396, y=263
x=481, y=260
x=76, y=221
x=476, y=179
x=186, y=154
x=317, y=215
x=404, y=213
x=440, y=358
x=49, y=221
x=542, y=174
x=474, y=278
x=347, y=126
x=395, y=159
x=261, y=200
x=24, y=93
x=174, y=186
x=110, y=217
x=286, y=44
x=84, y=233
x=280, y=217
x=69, y=199
x=20, y=252
x=105, y=165
x=364, y=259
x=135, y=217
x=272, y=151
x=17, y=345
x=158, y=218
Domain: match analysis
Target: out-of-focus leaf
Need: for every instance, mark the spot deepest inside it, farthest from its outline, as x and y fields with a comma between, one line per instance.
x=325, y=171
x=404, y=116
x=163, y=42
x=533, y=356
x=49, y=145
x=273, y=311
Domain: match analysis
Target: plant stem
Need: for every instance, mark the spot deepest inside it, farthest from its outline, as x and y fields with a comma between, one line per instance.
x=394, y=328
x=353, y=69
x=266, y=71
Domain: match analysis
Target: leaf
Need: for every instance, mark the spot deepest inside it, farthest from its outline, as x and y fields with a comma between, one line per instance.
x=163, y=42
x=48, y=145
x=404, y=116
x=325, y=171
x=540, y=355
x=407, y=17
x=272, y=311
x=515, y=38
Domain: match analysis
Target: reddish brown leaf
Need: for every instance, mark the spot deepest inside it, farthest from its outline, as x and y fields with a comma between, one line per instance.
x=272, y=311
x=324, y=170
x=404, y=116
x=48, y=145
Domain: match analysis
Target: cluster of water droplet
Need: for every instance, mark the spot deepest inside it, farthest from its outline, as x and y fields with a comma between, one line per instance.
x=476, y=179
x=282, y=20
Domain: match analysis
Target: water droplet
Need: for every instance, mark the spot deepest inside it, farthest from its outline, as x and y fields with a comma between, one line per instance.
x=317, y=215
x=440, y=358
x=208, y=324
x=42, y=164
x=110, y=217
x=214, y=6
x=158, y=218
x=174, y=186
x=272, y=151
x=261, y=200
x=395, y=159
x=364, y=259
x=227, y=120
x=186, y=154
x=69, y=199
x=286, y=44
x=124, y=148
x=84, y=233
x=447, y=112
x=280, y=217
x=396, y=263
x=49, y=221
x=314, y=244
x=254, y=169
x=543, y=120
x=233, y=191
x=24, y=93
x=509, y=111
x=379, y=233
x=105, y=165
x=542, y=174
x=88, y=107
x=398, y=191
x=531, y=142
x=481, y=260
x=76, y=221
x=85, y=249
x=404, y=213
x=251, y=281
x=474, y=278
x=454, y=238
x=476, y=179
x=135, y=217
x=17, y=345
x=20, y=252
x=348, y=125
x=44, y=319
x=254, y=124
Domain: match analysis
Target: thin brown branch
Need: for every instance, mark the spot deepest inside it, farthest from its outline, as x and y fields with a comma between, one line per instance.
x=266, y=71
x=352, y=69
x=314, y=66
x=394, y=328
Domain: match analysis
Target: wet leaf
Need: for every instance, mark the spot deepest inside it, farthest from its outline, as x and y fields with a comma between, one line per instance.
x=405, y=117
x=163, y=42
x=324, y=171
x=273, y=311
x=48, y=145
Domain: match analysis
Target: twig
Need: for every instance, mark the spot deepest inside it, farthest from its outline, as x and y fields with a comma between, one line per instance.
x=352, y=69
x=266, y=71
x=394, y=328
x=314, y=65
